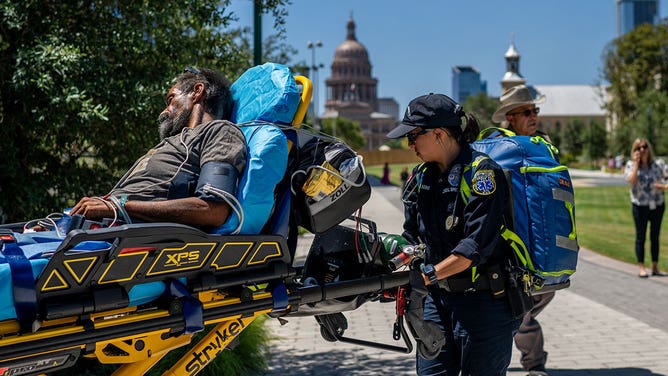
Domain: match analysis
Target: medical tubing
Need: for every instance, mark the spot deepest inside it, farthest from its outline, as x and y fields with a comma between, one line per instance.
x=232, y=201
x=121, y=208
x=110, y=206
x=49, y=222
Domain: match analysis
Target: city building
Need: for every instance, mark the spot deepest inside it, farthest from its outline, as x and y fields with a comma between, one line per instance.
x=512, y=77
x=631, y=13
x=389, y=106
x=352, y=92
x=466, y=82
x=564, y=103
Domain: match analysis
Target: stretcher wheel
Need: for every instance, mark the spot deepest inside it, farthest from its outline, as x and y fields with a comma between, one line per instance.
x=326, y=335
x=332, y=325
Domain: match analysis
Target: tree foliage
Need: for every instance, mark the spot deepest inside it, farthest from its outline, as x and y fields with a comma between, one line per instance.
x=347, y=130
x=82, y=84
x=594, y=141
x=636, y=65
x=482, y=107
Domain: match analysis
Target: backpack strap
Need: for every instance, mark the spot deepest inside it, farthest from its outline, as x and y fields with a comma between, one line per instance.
x=495, y=132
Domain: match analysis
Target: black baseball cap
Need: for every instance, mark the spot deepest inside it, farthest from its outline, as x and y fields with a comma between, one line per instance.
x=429, y=111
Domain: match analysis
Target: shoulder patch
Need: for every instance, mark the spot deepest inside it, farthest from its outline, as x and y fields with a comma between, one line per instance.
x=483, y=182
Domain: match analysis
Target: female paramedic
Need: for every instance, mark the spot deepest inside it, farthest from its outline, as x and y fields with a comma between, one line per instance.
x=455, y=206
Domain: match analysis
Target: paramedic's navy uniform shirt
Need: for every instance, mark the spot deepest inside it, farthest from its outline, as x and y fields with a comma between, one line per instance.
x=216, y=141
x=477, y=233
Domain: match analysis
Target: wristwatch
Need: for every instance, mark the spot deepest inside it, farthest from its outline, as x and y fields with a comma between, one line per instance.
x=430, y=272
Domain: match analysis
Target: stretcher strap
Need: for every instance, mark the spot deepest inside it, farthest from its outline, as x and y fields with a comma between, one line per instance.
x=280, y=295
x=192, y=308
x=25, y=298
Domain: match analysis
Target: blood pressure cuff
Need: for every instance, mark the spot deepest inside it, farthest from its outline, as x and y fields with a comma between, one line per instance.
x=215, y=177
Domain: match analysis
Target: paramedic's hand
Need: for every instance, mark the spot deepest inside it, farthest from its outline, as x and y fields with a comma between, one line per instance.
x=93, y=208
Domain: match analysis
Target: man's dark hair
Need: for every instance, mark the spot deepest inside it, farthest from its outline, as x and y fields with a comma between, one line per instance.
x=217, y=95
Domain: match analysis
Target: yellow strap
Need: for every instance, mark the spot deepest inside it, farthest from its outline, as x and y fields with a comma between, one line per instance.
x=485, y=132
x=516, y=243
x=551, y=148
x=526, y=169
x=474, y=273
x=569, y=207
x=464, y=188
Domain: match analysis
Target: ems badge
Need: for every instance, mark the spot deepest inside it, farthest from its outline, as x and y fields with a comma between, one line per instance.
x=483, y=182
x=455, y=175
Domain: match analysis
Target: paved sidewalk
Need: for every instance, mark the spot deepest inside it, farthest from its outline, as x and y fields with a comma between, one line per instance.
x=608, y=323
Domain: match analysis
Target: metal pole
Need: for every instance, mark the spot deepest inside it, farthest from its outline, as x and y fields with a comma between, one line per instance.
x=257, y=32
x=314, y=77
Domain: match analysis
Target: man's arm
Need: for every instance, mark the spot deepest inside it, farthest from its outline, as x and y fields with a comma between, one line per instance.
x=191, y=211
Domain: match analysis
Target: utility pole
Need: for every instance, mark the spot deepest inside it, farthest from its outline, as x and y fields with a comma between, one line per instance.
x=314, y=78
x=257, y=32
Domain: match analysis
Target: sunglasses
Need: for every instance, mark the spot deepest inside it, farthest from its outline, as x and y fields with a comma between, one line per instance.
x=527, y=112
x=192, y=70
x=412, y=137
x=641, y=147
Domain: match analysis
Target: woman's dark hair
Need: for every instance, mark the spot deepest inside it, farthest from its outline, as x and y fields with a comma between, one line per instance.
x=470, y=130
x=217, y=94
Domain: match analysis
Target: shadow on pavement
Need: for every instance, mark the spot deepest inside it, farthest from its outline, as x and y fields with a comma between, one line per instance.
x=624, y=371
x=339, y=363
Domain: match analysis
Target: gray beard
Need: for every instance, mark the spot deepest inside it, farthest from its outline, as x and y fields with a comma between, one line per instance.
x=173, y=126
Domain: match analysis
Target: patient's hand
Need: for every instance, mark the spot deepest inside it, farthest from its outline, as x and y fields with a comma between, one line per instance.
x=94, y=208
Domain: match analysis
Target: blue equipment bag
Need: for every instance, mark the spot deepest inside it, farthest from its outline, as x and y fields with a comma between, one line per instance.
x=543, y=236
x=264, y=94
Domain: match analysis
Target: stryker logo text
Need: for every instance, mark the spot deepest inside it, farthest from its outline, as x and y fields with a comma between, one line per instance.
x=217, y=344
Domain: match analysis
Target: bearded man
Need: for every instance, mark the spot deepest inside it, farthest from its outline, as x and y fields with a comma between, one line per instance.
x=188, y=177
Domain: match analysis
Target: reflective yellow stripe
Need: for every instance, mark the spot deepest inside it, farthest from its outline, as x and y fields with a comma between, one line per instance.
x=555, y=274
x=551, y=148
x=516, y=243
x=464, y=188
x=569, y=207
x=474, y=273
x=526, y=169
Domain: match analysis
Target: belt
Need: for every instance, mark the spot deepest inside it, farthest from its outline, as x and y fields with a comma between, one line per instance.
x=464, y=284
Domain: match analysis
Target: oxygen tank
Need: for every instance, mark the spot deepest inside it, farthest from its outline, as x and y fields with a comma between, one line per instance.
x=399, y=250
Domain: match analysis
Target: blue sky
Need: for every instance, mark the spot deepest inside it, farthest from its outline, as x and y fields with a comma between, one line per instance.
x=414, y=44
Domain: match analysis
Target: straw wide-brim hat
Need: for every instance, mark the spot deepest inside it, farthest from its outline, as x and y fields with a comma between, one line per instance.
x=516, y=96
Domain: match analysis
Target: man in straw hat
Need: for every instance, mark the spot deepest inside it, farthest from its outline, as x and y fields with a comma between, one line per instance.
x=518, y=108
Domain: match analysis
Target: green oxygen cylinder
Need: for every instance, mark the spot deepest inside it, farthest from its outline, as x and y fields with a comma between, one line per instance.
x=398, y=249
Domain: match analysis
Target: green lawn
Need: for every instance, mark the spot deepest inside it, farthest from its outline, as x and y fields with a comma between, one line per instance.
x=605, y=225
x=395, y=171
x=603, y=219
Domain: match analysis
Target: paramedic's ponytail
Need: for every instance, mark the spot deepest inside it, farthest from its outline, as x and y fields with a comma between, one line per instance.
x=470, y=130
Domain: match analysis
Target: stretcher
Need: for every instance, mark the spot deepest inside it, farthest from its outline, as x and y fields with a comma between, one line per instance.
x=144, y=289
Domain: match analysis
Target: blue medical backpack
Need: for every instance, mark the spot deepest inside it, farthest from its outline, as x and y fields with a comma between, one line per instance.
x=543, y=233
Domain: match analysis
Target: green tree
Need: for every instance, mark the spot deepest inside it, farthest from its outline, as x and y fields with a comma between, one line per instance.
x=594, y=141
x=81, y=87
x=652, y=119
x=635, y=64
x=82, y=84
x=347, y=130
x=482, y=106
x=571, y=137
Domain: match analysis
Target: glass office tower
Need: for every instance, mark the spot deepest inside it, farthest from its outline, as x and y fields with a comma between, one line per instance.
x=631, y=13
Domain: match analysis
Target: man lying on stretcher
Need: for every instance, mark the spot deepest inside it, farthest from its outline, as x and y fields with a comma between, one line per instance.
x=191, y=175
